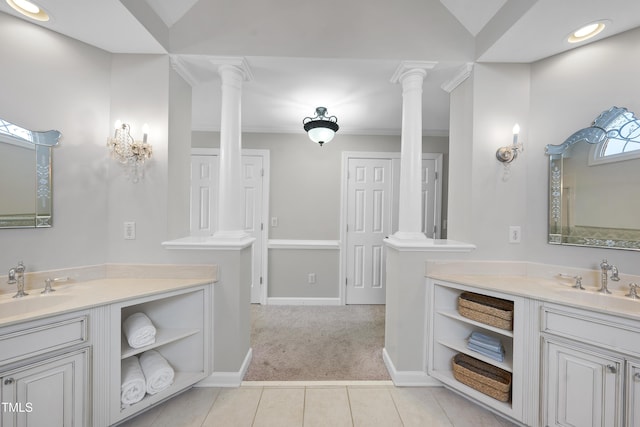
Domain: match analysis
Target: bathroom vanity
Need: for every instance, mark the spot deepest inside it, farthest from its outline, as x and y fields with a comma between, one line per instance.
x=573, y=355
x=61, y=353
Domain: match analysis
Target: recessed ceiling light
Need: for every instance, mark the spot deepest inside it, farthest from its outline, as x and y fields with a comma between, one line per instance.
x=587, y=31
x=29, y=9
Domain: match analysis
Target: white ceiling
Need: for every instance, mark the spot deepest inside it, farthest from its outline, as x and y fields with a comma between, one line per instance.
x=335, y=53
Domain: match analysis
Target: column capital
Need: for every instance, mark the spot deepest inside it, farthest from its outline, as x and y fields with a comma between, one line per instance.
x=237, y=63
x=411, y=67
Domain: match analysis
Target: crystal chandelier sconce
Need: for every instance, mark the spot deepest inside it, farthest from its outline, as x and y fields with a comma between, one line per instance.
x=321, y=128
x=128, y=152
x=509, y=153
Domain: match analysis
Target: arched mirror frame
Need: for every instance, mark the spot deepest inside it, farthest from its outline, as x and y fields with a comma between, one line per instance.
x=616, y=123
x=41, y=143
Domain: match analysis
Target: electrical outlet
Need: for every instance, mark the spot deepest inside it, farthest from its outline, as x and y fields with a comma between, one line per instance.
x=129, y=230
x=311, y=279
x=274, y=221
x=515, y=234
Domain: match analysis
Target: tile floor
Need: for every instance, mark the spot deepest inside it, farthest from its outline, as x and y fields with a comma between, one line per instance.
x=312, y=404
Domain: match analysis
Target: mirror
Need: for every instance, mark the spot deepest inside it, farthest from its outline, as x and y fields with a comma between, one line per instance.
x=594, y=197
x=25, y=176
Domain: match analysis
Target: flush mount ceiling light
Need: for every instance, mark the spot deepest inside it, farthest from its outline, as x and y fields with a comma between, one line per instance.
x=321, y=128
x=587, y=31
x=29, y=9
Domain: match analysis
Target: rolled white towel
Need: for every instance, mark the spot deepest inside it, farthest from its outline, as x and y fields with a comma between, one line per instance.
x=157, y=371
x=139, y=330
x=133, y=385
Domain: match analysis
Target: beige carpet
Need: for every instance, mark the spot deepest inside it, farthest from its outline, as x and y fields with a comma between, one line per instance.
x=317, y=343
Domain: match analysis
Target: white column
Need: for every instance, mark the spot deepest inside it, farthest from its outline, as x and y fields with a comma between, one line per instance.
x=411, y=75
x=230, y=191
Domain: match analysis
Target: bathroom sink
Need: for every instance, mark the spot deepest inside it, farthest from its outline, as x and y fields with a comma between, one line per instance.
x=10, y=307
x=614, y=301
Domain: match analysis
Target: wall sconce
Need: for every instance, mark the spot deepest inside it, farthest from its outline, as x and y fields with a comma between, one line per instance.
x=321, y=128
x=130, y=153
x=509, y=153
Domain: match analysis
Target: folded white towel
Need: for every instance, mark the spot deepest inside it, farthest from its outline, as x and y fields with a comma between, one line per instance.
x=133, y=385
x=157, y=371
x=139, y=330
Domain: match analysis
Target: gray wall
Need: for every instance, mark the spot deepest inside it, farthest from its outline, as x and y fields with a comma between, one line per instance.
x=550, y=99
x=49, y=81
x=305, y=197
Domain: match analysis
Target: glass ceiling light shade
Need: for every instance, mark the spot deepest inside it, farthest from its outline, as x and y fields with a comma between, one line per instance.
x=29, y=9
x=321, y=128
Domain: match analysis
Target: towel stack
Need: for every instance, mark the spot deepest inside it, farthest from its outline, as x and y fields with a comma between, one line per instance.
x=486, y=345
x=139, y=330
x=151, y=373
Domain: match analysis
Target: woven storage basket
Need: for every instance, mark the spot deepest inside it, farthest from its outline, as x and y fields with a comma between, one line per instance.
x=491, y=311
x=482, y=376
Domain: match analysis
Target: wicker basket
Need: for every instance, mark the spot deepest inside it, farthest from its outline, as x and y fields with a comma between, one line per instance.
x=482, y=376
x=491, y=311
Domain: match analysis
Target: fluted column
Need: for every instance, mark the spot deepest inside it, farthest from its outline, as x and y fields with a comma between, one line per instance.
x=230, y=225
x=411, y=75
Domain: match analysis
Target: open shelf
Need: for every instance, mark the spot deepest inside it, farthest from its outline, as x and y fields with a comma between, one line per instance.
x=180, y=319
x=163, y=336
x=449, y=334
x=453, y=314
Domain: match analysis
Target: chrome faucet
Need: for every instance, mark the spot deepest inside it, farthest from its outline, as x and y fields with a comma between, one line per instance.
x=605, y=267
x=16, y=277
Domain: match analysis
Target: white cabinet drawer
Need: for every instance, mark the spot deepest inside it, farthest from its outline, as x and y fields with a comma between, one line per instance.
x=42, y=338
x=611, y=332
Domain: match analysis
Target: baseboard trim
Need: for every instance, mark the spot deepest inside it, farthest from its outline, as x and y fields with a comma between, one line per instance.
x=408, y=378
x=303, y=244
x=228, y=379
x=302, y=301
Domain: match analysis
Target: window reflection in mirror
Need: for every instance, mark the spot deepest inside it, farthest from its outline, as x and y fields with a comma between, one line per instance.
x=25, y=176
x=594, y=198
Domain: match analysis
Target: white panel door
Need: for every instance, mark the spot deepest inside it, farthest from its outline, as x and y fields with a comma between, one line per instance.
x=204, y=201
x=204, y=194
x=368, y=223
x=430, y=206
x=252, y=176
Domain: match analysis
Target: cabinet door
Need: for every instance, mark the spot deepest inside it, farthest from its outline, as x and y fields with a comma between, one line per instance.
x=583, y=387
x=50, y=393
x=633, y=394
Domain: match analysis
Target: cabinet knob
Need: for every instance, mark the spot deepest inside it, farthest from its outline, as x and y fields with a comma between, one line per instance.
x=8, y=381
x=612, y=369
x=636, y=376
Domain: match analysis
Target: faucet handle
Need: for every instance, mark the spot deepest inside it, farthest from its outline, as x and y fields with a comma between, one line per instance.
x=48, y=281
x=614, y=274
x=577, y=278
x=633, y=291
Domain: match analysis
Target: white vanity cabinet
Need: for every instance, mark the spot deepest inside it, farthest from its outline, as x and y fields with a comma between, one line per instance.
x=181, y=319
x=449, y=332
x=44, y=372
x=633, y=393
x=589, y=368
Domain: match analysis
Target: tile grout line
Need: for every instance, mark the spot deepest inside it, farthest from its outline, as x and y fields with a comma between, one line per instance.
x=353, y=423
x=255, y=414
x=395, y=405
x=213, y=402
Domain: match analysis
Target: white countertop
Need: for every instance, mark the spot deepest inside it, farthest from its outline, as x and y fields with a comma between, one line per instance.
x=549, y=290
x=84, y=294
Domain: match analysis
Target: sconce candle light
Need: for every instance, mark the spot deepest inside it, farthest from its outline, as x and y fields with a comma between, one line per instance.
x=509, y=153
x=130, y=153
